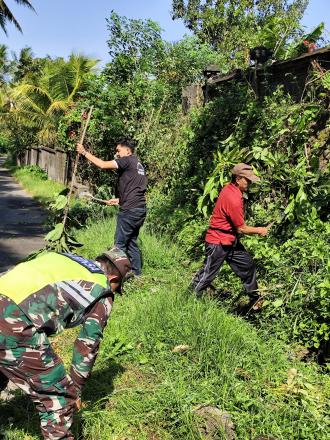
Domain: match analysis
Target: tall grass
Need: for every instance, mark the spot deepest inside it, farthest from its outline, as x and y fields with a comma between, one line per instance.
x=141, y=390
x=147, y=391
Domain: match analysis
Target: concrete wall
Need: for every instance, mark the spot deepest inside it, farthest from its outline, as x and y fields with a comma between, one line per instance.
x=192, y=96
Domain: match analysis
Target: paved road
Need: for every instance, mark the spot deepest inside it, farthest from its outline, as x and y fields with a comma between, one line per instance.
x=21, y=221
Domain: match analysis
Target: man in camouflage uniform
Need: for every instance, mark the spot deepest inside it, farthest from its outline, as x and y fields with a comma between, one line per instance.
x=42, y=297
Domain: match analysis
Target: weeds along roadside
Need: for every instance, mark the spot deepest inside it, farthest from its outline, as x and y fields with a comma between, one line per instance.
x=36, y=182
x=141, y=388
x=225, y=362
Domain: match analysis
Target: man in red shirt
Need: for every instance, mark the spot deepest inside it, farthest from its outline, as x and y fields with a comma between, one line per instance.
x=221, y=241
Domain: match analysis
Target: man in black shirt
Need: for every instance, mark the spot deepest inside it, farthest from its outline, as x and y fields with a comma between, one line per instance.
x=131, y=189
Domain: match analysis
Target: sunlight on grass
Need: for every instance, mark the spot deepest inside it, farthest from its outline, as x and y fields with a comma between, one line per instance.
x=141, y=389
x=43, y=190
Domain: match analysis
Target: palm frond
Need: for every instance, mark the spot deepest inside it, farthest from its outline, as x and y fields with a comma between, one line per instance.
x=41, y=101
x=6, y=15
x=25, y=3
x=58, y=107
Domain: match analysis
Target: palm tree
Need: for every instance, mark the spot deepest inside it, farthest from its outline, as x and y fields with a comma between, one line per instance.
x=3, y=63
x=7, y=15
x=40, y=104
x=26, y=64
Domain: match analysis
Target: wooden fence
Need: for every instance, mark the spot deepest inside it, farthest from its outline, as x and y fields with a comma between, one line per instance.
x=55, y=162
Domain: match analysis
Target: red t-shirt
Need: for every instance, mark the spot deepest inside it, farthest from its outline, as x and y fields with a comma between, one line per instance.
x=228, y=214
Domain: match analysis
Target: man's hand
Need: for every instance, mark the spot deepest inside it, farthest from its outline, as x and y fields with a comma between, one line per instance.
x=263, y=230
x=260, y=230
x=78, y=404
x=112, y=202
x=80, y=148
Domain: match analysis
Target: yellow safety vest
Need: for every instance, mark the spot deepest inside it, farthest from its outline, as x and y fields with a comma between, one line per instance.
x=31, y=276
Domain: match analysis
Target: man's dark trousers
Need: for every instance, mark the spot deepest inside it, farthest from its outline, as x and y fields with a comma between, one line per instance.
x=129, y=222
x=238, y=259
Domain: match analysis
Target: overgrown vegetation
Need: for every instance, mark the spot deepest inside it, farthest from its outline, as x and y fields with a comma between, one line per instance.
x=232, y=27
x=188, y=159
x=36, y=182
x=287, y=143
x=142, y=389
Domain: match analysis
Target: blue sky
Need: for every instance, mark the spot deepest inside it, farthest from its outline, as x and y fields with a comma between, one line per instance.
x=63, y=26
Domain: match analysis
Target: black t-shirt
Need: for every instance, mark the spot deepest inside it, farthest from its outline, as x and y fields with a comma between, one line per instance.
x=132, y=183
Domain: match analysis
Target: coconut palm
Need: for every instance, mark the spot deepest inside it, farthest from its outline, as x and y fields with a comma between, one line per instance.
x=3, y=63
x=25, y=64
x=6, y=14
x=40, y=104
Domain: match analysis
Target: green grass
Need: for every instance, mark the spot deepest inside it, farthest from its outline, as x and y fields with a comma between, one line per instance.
x=35, y=182
x=141, y=390
x=150, y=392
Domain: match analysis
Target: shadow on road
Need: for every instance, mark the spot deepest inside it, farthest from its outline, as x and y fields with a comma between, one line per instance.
x=21, y=221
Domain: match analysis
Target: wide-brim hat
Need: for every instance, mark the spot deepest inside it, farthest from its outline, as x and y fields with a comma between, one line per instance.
x=245, y=170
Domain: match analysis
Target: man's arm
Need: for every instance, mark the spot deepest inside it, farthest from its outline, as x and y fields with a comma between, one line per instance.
x=87, y=343
x=238, y=222
x=112, y=202
x=103, y=164
x=249, y=230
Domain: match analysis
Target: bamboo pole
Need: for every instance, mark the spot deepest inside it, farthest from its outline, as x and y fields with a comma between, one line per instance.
x=75, y=168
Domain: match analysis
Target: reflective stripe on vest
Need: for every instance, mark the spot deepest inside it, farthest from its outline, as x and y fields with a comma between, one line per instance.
x=31, y=276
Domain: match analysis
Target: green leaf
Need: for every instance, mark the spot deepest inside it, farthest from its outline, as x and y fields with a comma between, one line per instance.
x=213, y=194
x=56, y=233
x=143, y=359
x=209, y=185
x=60, y=203
x=278, y=303
x=204, y=211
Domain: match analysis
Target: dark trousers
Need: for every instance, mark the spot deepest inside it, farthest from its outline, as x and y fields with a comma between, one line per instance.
x=128, y=227
x=238, y=259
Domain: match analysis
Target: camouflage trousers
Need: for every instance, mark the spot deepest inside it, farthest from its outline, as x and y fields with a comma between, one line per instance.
x=28, y=360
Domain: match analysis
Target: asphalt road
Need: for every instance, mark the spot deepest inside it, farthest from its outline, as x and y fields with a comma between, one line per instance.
x=21, y=221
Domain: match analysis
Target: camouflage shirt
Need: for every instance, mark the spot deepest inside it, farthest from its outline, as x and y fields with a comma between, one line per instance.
x=55, y=290
x=58, y=291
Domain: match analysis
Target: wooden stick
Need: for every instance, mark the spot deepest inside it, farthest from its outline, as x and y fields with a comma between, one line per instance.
x=75, y=168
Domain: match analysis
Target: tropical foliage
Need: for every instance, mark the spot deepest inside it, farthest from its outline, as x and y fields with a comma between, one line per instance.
x=6, y=14
x=252, y=370
x=189, y=157
x=41, y=92
x=233, y=27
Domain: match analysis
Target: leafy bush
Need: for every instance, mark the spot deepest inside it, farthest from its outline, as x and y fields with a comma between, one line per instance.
x=4, y=143
x=36, y=172
x=287, y=143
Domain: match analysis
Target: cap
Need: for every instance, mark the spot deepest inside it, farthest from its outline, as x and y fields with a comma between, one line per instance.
x=244, y=170
x=119, y=260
